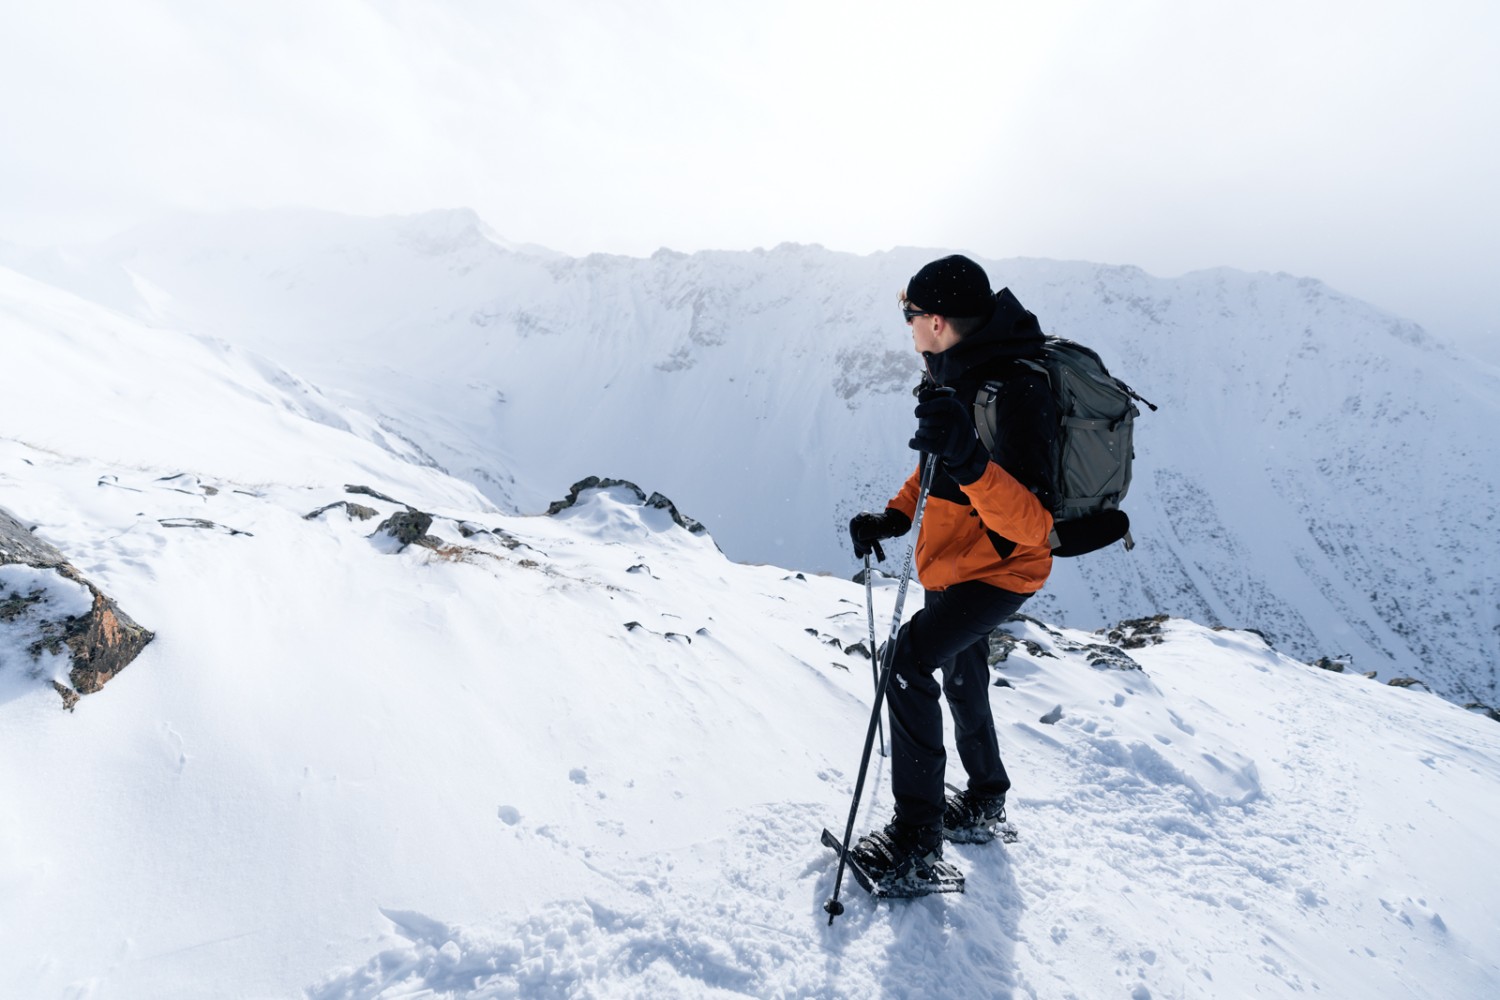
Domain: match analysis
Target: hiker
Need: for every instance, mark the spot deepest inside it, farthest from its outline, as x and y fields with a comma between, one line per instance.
x=981, y=553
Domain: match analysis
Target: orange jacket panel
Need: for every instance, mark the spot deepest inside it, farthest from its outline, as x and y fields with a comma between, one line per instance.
x=954, y=545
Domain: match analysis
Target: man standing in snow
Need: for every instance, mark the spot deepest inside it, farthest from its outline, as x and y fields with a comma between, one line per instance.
x=981, y=553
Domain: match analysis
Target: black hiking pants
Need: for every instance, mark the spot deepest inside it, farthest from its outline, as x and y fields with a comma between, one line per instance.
x=950, y=634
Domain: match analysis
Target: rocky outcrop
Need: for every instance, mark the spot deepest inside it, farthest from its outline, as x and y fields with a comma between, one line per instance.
x=1483, y=709
x=356, y=511
x=1136, y=633
x=100, y=640
x=407, y=527
x=655, y=500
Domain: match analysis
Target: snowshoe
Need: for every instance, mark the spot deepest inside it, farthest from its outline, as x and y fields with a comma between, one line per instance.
x=890, y=868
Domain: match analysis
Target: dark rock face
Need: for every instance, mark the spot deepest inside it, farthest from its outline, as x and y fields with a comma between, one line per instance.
x=19, y=546
x=101, y=643
x=1136, y=633
x=406, y=526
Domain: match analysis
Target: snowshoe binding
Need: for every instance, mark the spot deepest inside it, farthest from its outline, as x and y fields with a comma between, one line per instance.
x=970, y=818
x=899, y=862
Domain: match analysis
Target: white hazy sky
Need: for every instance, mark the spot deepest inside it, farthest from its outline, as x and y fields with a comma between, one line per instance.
x=1357, y=142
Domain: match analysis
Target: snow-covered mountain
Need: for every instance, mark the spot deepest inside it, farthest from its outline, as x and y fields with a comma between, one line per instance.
x=1319, y=470
x=588, y=755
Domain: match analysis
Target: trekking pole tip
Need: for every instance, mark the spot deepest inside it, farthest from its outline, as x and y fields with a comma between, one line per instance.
x=834, y=908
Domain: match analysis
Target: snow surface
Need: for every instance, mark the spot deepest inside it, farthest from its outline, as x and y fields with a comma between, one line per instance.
x=588, y=755
x=1319, y=470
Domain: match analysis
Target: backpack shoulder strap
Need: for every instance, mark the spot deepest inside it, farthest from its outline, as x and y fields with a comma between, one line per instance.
x=984, y=414
x=984, y=402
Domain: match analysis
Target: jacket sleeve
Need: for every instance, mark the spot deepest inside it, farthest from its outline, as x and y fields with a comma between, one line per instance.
x=906, y=499
x=1008, y=508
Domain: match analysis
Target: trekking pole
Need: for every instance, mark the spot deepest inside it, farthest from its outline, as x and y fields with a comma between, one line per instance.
x=874, y=670
x=833, y=906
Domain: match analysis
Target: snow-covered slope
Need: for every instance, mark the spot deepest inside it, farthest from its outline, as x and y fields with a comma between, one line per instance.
x=588, y=755
x=1319, y=470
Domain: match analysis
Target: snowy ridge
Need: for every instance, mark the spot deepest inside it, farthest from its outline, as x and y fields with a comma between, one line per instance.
x=588, y=755
x=1319, y=470
x=89, y=382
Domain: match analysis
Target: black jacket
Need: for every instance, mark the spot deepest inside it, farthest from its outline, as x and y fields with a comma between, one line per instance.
x=1026, y=411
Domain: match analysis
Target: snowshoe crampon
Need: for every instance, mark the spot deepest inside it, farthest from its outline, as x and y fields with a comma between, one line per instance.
x=921, y=880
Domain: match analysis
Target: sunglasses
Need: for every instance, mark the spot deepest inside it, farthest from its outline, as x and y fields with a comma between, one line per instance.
x=911, y=312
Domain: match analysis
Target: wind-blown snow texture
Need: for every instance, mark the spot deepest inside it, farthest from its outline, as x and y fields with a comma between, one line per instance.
x=588, y=755
x=1319, y=470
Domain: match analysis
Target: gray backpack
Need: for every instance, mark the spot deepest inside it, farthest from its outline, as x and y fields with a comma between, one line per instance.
x=1093, y=447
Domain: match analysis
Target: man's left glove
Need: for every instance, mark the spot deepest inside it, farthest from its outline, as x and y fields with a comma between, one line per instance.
x=945, y=429
x=866, y=531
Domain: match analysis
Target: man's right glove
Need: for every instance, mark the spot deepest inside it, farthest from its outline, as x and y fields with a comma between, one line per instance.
x=867, y=529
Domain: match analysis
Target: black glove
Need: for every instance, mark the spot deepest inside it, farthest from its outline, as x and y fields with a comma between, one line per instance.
x=946, y=429
x=866, y=530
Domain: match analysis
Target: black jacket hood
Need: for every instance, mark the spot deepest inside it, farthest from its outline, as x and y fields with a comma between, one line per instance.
x=1011, y=332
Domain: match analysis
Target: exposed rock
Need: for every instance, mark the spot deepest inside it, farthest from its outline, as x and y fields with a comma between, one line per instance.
x=471, y=530
x=113, y=481
x=1110, y=658
x=184, y=482
x=408, y=527
x=1483, y=709
x=19, y=545
x=199, y=522
x=1337, y=664
x=100, y=642
x=354, y=510
x=1136, y=633
x=1253, y=631
x=366, y=491
x=1406, y=682
x=1002, y=644
x=655, y=500
x=827, y=640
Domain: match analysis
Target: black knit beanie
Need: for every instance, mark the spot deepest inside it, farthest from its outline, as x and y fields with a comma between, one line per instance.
x=952, y=286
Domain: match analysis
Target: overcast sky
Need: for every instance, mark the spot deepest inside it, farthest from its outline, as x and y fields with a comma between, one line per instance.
x=1357, y=142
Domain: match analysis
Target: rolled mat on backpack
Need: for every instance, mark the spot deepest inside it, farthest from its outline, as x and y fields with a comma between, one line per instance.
x=1087, y=534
